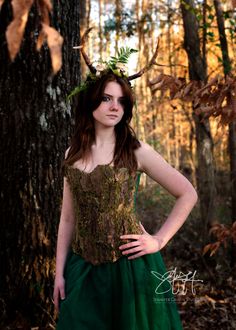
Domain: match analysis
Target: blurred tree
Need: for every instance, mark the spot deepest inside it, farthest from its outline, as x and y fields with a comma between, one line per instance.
x=118, y=16
x=232, y=126
x=101, y=6
x=84, y=12
x=205, y=165
x=34, y=128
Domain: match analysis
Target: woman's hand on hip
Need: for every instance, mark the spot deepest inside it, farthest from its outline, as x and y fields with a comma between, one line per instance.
x=142, y=244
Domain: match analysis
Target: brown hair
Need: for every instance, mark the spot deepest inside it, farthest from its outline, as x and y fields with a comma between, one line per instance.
x=84, y=133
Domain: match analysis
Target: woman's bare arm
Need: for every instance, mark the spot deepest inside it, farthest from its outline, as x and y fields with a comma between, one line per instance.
x=66, y=228
x=65, y=234
x=177, y=185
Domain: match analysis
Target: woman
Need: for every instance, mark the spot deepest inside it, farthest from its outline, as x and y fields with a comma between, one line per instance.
x=106, y=262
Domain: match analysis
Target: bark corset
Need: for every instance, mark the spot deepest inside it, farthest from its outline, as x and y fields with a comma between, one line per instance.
x=104, y=204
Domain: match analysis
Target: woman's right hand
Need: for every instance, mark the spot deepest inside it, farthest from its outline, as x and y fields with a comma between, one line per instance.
x=59, y=291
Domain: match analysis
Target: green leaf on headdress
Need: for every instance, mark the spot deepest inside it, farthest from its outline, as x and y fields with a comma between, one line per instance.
x=77, y=89
x=123, y=55
x=113, y=64
x=116, y=72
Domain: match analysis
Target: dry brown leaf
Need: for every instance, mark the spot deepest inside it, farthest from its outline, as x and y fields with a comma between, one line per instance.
x=40, y=41
x=158, y=86
x=54, y=41
x=47, y=4
x=44, y=7
x=209, y=85
x=211, y=247
x=234, y=3
x=173, y=92
x=178, y=95
x=187, y=89
x=16, y=29
x=206, y=249
x=211, y=300
x=156, y=80
x=215, y=246
x=211, y=99
x=220, y=99
x=196, y=101
x=222, y=232
x=214, y=228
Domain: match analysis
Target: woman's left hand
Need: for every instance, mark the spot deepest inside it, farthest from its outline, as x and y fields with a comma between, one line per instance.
x=143, y=244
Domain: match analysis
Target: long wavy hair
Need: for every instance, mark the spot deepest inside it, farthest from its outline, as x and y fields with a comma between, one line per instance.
x=84, y=131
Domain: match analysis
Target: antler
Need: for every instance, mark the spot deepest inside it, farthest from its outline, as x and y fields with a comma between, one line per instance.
x=147, y=67
x=85, y=56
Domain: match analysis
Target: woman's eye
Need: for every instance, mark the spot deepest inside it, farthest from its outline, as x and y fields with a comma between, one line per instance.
x=105, y=98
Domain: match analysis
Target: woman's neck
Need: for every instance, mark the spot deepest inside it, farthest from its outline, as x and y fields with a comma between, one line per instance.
x=104, y=136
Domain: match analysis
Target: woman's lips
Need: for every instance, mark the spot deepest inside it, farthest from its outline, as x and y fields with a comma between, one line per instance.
x=112, y=116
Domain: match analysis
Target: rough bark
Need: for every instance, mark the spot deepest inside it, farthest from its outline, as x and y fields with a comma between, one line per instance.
x=204, y=34
x=205, y=168
x=232, y=126
x=34, y=129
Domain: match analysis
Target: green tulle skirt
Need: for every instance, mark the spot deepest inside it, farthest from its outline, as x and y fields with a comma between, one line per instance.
x=124, y=295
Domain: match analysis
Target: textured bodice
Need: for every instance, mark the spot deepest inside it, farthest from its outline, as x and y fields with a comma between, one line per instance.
x=104, y=202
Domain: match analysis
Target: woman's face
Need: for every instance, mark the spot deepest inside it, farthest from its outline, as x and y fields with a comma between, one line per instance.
x=111, y=109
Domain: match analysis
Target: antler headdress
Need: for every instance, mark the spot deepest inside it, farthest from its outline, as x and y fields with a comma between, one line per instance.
x=115, y=64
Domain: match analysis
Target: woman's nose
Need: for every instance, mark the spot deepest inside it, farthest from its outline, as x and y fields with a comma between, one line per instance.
x=115, y=105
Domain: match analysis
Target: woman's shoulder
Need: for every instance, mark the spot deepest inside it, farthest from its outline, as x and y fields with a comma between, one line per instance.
x=142, y=153
x=143, y=149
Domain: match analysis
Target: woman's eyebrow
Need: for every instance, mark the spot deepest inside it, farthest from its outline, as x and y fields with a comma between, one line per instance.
x=121, y=97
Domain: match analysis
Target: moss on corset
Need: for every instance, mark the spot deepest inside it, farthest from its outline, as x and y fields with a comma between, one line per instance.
x=104, y=210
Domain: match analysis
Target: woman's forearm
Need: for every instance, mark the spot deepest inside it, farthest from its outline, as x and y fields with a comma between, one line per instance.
x=177, y=216
x=65, y=233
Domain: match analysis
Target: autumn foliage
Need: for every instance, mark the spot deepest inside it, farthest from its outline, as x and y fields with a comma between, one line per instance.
x=16, y=29
x=223, y=234
x=215, y=98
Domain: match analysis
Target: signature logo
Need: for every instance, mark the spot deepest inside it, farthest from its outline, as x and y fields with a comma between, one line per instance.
x=177, y=282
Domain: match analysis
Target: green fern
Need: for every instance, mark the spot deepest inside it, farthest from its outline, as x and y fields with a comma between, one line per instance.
x=123, y=55
x=83, y=86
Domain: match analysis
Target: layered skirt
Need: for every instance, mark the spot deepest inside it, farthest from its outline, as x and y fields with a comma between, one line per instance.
x=124, y=295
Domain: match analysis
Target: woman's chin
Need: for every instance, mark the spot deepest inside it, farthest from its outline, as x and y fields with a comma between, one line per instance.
x=107, y=123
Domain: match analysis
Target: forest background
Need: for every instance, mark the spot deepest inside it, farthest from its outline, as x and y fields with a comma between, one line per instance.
x=186, y=109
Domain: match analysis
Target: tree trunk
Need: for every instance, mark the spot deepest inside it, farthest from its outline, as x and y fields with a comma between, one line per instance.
x=232, y=126
x=204, y=35
x=34, y=129
x=118, y=22
x=205, y=168
x=232, y=153
x=101, y=7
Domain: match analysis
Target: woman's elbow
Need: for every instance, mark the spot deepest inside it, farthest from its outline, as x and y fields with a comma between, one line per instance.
x=189, y=193
x=192, y=194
